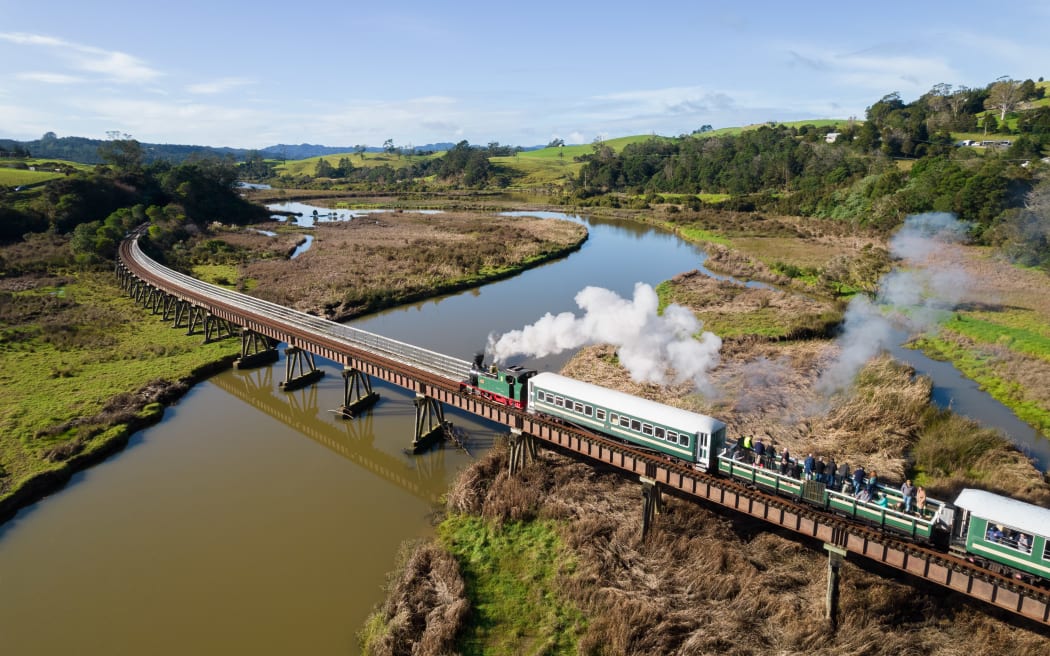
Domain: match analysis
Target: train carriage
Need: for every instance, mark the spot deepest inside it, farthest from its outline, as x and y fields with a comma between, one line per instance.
x=688, y=436
x=929, y=527
x=1003, y=534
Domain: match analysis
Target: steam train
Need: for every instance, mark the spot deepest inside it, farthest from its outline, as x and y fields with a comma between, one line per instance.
x=1005, y=535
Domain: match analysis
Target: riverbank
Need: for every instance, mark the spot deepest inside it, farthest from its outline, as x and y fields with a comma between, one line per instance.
x=713, y=582
x=85, y=367
x=703, y=582
x=387, y=259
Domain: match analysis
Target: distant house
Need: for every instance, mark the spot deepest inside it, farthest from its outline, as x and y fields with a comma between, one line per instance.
x=830, y=137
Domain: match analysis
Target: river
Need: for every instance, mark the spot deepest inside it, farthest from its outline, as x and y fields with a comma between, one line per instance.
x=251, y=520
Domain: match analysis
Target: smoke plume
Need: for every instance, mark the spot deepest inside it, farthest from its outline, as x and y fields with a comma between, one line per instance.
x=653, y=348
x=911, y=299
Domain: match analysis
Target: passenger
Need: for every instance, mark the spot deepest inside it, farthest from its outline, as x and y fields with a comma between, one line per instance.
x=760, y=453
x=796, y=470
x=1024, y=543
x=819, y=468
x=747, y=442
x=858, y=478
x=883, y=501
x=920, y=500
x=785, y=462
x=807, y=468
x=843, y=474
x=908, y=492
x=771, y=456
x=994, y=534
x=829, y=473
x=863, y=495
x=873, y=484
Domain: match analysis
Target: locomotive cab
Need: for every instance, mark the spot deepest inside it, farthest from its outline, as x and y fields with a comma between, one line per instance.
x=508, y=385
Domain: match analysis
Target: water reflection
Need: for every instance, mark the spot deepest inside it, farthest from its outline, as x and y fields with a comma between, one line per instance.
x=354, y=439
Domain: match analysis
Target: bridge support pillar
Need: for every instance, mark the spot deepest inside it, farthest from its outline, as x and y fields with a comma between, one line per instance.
x=522, y=449
x=299, y=369
x=216, y=328
x=357, y=392
x=831, y=607
x=430, y=422
x=652, y=503
x=256, y=350
x=197, y=318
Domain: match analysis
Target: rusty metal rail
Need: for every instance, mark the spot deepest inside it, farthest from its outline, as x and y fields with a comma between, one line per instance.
x=436, y=376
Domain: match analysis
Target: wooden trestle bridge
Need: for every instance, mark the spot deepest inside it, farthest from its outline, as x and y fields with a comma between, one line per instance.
x=435, y=378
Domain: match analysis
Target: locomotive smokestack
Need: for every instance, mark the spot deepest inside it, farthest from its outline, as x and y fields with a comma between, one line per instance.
x=479, y=361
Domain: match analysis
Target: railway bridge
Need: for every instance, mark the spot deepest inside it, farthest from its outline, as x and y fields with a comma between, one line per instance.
x=435, y=379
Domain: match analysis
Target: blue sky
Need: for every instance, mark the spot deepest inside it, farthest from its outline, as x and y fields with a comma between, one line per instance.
x=340, y=73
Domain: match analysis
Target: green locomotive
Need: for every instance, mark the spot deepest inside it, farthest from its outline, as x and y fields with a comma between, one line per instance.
x=508, y=385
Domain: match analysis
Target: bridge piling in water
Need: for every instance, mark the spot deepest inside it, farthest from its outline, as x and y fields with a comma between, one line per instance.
x=357, y=392
x=430, y=422
x=256, y=350
x=299, y=369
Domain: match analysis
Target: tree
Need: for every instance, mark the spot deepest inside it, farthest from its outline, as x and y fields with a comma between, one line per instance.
x=556, y=143
x=389, y=147
x=324, y=169
x=122, y=152
x=1004, y=96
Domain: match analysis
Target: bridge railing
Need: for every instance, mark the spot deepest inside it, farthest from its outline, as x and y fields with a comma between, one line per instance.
x=431, y=361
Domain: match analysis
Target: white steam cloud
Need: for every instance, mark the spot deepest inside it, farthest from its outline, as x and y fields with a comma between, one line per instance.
x=912, y=299
x=653, y=348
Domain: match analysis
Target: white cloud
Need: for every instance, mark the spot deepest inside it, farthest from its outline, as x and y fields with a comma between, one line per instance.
x=111, y=65
x=219, y=86
x=49, y=78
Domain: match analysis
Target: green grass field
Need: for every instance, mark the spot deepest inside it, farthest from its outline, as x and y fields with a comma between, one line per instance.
x=512, y=572
x=369, y=160
x=87, y=345
x=16, y=177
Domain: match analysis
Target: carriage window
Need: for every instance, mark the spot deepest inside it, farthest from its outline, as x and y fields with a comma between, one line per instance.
x=614, y=418
x=599, y=414
x=636, y=425
x=1009, y=537
x=1046, y=550
x=703, y=439
x=559, y=401
x=672, y=436
x=647, y=429
x=510, y=379
x=625, y=422
x=588, y=410
x=683, y=439
x=578, y=407
x=659, y=432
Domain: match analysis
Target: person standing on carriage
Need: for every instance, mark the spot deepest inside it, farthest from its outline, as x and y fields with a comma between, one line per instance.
x=908, y=492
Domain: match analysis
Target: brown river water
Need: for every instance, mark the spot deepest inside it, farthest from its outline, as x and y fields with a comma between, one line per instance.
x=255, y=521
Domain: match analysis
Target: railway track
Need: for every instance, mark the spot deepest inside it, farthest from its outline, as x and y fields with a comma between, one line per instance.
x=438, y=376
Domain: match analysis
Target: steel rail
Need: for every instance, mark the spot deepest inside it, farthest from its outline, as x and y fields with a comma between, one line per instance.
x=439, y=377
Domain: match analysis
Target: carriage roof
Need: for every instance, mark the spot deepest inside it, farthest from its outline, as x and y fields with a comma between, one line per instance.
x=1004, y=510
x=627, y=404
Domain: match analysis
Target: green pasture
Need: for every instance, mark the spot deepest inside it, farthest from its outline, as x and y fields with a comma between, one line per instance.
x=368, y=160
x=816, y=122
x=89, y=345
x=513, y=572
x=17, y=177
